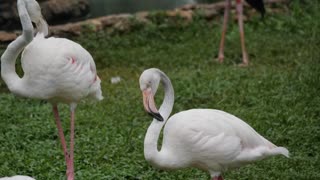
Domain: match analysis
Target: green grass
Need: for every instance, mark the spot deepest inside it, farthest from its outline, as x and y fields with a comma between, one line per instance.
x=278, y=95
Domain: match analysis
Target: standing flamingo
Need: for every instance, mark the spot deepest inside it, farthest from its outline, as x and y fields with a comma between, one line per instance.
x=207, y=139
x=55, y=69
x=259, y=6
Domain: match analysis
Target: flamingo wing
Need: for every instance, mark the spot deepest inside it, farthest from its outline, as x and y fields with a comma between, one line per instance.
x=213, y=137
x=60, y=69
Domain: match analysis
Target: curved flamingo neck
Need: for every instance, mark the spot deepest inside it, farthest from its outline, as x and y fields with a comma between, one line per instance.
x=167, y=104
x=8, y=59
x=151, y=152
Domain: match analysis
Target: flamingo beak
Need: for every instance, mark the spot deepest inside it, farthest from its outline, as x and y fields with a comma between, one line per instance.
x=149, y=104
x=42, y=26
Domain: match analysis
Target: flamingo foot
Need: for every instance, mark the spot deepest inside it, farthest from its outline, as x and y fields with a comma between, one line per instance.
x=220, y=58
x=245, y=59
x=218, y=178
x=70, y=175
x=243, y=64
x=70, y=169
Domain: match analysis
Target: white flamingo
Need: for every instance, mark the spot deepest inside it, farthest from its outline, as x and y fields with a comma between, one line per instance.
x=207, y=139
x=17, y=178
x=55, y=69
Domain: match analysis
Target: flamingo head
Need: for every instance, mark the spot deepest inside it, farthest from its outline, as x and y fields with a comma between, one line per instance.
x=35, y=14
x=34, y=10
x=149, y=82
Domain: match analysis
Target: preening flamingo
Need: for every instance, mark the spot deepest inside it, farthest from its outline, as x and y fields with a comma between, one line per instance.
x=258, y=5
x=17, y=178
x=208, y=139
x=55, y=69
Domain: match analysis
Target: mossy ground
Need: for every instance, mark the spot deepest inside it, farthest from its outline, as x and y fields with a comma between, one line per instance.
x=278, y=95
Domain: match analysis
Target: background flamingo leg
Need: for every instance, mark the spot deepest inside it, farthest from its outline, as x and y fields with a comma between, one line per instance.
x=245, y=60
x=224, y=30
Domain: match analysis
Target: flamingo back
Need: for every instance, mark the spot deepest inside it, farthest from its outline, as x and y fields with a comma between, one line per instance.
x=211, y=139
x=59, y=70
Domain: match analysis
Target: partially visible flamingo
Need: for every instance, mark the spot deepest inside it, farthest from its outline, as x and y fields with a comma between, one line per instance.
x=258, y=5
x=208, y=139
x=55, y=69
x=17, y=178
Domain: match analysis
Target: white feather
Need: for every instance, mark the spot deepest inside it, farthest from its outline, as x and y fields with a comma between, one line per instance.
x=17, y=178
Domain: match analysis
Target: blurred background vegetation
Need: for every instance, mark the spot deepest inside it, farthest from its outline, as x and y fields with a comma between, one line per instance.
x=278, y=95
x=105, y=7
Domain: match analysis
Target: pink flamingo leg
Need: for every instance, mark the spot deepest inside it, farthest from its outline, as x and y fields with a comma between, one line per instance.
x=60, y=131
x=70, y=172
x=61, y=135
x=224, y=30
x=245, y=61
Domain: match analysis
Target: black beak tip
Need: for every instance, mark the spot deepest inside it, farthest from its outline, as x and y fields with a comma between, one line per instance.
x=157, y=116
